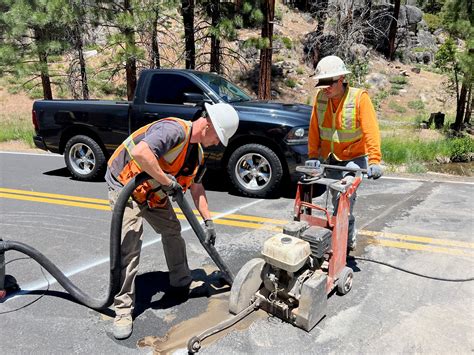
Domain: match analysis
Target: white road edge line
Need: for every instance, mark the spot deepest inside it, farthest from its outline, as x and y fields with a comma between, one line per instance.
x=42, y=284
x=383, y=177
x=34, y=154
x=427, y=180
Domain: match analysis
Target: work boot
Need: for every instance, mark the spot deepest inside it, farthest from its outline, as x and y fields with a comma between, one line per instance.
x=123, y=325
x=352, y=241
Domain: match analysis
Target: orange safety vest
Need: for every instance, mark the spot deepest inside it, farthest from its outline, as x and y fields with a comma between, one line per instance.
x=340, y=133
x=123, y=167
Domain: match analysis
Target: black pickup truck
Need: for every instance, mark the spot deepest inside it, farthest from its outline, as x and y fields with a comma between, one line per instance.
x=270, y=141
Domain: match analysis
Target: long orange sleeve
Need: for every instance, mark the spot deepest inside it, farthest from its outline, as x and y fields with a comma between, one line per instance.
x=313, y=135
x=370, y=129
x=366, y=118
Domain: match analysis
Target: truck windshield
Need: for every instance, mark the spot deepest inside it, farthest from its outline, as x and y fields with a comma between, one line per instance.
x=225, y=89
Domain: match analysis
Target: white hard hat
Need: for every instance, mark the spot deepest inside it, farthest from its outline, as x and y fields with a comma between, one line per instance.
x=225, y=120
x=330, y=68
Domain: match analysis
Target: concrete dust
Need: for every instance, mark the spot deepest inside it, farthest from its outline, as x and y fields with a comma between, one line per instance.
x=178, y=336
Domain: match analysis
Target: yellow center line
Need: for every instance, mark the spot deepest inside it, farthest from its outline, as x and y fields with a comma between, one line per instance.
x=252, y=222
x=427, y=240
x=54, y=196
x=55, y=202
x=421, y=247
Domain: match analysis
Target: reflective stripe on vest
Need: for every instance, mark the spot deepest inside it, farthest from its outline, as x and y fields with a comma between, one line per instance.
x=169, y=163
x=349, y=131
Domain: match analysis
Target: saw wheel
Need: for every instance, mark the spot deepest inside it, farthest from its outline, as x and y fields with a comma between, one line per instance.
x=247, y=282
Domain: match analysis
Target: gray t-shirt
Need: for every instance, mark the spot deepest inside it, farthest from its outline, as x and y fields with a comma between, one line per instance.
x=161, y=137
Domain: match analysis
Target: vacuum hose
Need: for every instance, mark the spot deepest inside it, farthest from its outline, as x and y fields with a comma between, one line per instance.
x=115, y=253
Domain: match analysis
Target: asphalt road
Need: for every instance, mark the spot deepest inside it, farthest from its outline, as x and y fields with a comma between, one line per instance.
x=424, y=225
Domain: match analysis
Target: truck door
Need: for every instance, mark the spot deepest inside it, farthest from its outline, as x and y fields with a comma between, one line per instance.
x=165, y=98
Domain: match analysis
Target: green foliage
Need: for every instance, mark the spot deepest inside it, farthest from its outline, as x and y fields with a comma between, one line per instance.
x=416, y=105
x=379, y=97
x=256, y=42
x=291, y=83
x=419, y=49
x=396, y=107
x=433, y=22
x=359, y=70
x=398, y=79
x=16, y=128
x=299, y=71
x=407, y=149
x=394, y=91
x=34, y=34
x=460, y=148
x=252, y=15
x=287, y=42
x=278, y=13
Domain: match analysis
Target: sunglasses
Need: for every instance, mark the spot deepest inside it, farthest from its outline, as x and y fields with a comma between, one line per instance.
x=327, y=82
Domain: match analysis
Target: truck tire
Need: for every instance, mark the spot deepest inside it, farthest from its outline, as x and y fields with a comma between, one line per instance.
x=84, y=158
x=255, y=170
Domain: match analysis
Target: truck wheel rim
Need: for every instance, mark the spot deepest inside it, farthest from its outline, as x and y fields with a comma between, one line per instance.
x=253, y=171
x=82, y=158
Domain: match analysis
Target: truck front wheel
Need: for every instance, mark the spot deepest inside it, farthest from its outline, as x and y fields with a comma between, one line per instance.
x=255, y=170
x=84, y=158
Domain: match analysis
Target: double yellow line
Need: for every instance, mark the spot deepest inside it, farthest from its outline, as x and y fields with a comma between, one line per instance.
x=234, y=220
x=393, y=240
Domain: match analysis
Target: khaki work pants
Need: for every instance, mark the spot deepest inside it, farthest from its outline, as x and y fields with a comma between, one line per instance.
x=164, y=222
x=360, y=163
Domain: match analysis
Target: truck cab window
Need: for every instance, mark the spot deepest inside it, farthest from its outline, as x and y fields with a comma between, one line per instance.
x=169, y=88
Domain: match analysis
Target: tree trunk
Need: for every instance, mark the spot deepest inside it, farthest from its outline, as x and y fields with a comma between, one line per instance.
x=130, y=63
x=43, y=60
x=460, y=109
x=392, y=32
x=215, y=41
x=82, y=63
x=321, y=8
x=265, y=76
x=155, y=50
x=187, y=10
x=467, y=116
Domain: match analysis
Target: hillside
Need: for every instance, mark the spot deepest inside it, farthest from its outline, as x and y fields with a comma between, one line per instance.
x=404, y=95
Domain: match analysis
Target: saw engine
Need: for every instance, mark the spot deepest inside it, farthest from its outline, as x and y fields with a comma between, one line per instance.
x=300, y=267
x=291, y=276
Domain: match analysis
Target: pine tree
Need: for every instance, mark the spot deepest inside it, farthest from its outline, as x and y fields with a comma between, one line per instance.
x=32, y=32
x=224, y=20
x=459, y=21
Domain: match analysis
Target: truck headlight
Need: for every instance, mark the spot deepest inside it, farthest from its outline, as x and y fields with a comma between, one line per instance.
x=297, y=135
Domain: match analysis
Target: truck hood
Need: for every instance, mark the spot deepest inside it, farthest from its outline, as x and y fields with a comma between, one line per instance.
x=274, y=112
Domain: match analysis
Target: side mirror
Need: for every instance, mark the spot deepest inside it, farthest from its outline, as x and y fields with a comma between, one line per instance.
x=193, y=98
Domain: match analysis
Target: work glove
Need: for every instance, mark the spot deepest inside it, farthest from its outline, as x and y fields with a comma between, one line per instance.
x=173, y=187
x=210, y=232
x=374, y=171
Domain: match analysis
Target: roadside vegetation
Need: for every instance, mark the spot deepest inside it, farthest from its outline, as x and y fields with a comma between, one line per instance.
x=403, y=104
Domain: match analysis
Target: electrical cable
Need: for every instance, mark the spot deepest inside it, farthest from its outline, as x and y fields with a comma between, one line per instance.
x=412, y=272
x=37, y=298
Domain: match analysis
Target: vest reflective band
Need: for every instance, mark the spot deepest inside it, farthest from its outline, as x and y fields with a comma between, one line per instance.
x=344, y=124
x=123, y=167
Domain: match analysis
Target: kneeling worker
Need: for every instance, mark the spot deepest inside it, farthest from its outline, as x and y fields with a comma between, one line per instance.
x=343, y=128
x=170, y=151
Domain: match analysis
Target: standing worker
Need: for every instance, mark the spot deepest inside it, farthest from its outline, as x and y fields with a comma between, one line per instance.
x=170, y=151
x=343, y=129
